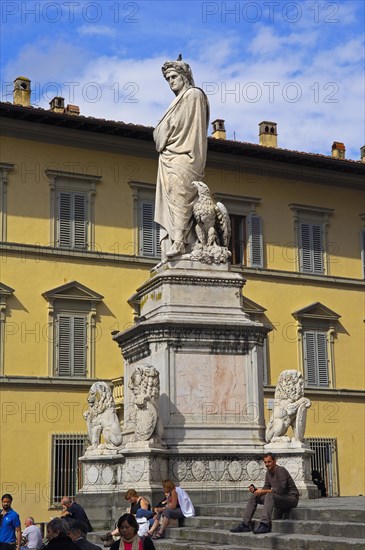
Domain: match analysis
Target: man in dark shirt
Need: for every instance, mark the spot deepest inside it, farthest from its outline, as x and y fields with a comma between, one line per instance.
x=279, y=490
x=77, y=534
x=72, y=510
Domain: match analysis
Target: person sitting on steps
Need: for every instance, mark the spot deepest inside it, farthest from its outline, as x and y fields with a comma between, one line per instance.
x=140, y=508
x=279, y=490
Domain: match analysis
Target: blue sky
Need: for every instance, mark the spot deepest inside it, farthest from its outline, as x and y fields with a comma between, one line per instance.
x=298, y=63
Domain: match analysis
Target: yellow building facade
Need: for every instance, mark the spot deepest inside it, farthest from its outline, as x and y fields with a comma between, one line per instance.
x=78, y=238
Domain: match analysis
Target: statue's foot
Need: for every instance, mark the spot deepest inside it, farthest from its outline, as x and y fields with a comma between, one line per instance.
x=177, y=249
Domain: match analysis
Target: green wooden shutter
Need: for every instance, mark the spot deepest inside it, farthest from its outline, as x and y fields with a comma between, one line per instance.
x=79, y=346
x=157, y=240
x=64, y=363
x=362, y=239
x=72, y=220
x=149, y=231
x=64, y=229
x=311, y=248
x=79, y=221
x=322, y=359
x=317, y=249
x=71, y=345
x=255, y=241
x=316, y=358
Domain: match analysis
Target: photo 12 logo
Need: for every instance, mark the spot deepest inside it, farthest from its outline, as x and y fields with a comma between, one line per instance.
x=69, y=12
x=269, y=12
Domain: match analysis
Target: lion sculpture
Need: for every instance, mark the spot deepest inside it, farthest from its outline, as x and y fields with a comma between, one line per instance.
x=290, y=408
x=144, y=383
x=101, y=418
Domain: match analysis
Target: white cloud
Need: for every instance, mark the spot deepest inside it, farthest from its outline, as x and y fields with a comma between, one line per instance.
x=328, y=83
x=96, y=30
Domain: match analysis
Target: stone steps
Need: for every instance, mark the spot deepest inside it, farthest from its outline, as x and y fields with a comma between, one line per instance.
x=231, y=541
x=338, y=529
x=304, y=511
x=324, y=524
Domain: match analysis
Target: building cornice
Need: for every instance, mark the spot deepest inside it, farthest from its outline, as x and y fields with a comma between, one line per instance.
x=60, y=122
x=42, y=382
x=258, y=273
x=90, y=256
x=18, y=382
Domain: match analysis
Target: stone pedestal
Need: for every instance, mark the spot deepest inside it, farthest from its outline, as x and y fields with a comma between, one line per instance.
x=191, y=327
x=295, y=457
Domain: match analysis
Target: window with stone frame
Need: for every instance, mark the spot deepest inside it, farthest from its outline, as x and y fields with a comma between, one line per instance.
x=246, y=243
x=72, y=199
x=315, y=356
x=311, y=237
x=72, y=330
x=146, y=230
x=71, y=344
x=317, y=332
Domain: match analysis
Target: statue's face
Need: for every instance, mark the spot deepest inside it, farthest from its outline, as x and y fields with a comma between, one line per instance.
x=176, y=82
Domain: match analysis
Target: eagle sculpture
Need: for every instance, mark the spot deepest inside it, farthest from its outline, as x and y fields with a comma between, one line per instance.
x=213, y=226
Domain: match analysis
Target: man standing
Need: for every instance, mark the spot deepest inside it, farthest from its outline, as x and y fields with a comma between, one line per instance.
x=10, y=532
x=32, y=535
x=72, y=510
x=279, y=490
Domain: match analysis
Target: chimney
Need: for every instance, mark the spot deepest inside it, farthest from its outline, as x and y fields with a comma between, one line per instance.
x=219, y=130
x=362, y=153
x=22, y=91
x=268, y=134
x=57, y=104
x=338, y=150
x=72, y=109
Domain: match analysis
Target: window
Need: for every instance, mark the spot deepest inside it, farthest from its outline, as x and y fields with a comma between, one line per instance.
x=311, y=228
x=149, y=231
x=146, y=231
x=71, y=220
x=72, y=330
x=5, y=293
x=315, y=358
x=71, y=345
x=246, y=244
x=66, y=472
x=311, y=248
x=72, y=209
x=324, y=461
x=5, y=168
x=316, y=329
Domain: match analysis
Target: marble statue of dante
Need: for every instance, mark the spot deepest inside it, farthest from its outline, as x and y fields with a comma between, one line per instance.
x=181, y=140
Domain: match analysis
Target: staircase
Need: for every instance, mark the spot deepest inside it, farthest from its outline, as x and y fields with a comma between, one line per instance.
x=323, y=524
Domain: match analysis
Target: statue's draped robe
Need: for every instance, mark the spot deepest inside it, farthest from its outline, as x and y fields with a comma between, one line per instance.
x=181, y=140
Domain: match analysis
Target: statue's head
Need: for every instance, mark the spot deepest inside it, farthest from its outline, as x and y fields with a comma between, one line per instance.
x=290, y=385
x=181, y=68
